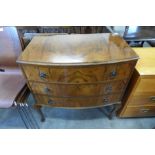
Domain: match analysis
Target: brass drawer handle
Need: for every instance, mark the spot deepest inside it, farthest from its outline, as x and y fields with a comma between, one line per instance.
x=50, y=101
x=46, y=90
x=145, y=110
x=43, y=75
x=105, y=100
x=113, y=73
x=152, y=98
x=108, y=89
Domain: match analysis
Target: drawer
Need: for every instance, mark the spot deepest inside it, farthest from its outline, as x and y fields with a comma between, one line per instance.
x=139, y=111
x=77, y=102
x=75, y=90
x=146, y=85
x=143, y=99
x=36, y=73
x=79, y=74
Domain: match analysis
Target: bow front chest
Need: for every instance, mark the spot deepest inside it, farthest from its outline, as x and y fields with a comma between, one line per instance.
x=77, y=70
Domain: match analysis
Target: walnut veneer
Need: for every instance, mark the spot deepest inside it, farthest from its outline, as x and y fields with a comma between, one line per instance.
x=77, y=70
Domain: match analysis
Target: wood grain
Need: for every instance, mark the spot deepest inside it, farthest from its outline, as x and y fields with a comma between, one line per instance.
x=78, y=74
x=77, y=49
x=78, y=71
x=146, y=85
x=76, y=102
x=146, y=63
x=140, y=111
x=143, y=99
x=141, y=91
x=75, y=90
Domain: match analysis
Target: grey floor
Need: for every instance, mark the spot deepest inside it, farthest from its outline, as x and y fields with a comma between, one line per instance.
x=72, y=119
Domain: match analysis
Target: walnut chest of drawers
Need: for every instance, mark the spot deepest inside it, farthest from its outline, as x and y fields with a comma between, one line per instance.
x=77, y=70
x=139, y=99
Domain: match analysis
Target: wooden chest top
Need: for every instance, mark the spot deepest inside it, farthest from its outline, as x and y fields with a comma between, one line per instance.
x=77, y=49
x=146, y=63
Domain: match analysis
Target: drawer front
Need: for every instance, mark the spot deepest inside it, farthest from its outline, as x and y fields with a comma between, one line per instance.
x=146, y=85
x=36, y=73
x=77, y=74
x=139, y=111
x=75, y=90
x=76, y=102
x=143, y=99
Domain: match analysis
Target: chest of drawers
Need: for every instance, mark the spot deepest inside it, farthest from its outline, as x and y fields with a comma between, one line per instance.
x=139, y=99
x=77, y=70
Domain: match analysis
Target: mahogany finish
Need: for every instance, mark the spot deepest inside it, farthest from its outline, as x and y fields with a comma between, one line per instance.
x=139, y=99
x=78, y=70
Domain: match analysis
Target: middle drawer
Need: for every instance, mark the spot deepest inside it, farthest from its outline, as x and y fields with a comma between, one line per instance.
x=76, y=90
x=143, y=99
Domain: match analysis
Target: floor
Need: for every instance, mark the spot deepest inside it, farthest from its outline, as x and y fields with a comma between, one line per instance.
x=72, y=119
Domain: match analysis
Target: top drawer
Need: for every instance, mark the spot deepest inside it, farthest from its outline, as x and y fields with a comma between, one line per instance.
x=146, y=85
x=78, y=74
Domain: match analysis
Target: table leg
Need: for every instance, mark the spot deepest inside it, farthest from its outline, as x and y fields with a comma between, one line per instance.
x=106, y=113
x=38, y=108
x=109, y=113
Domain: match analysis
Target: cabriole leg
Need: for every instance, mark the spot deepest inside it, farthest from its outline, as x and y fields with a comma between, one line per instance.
x=38, y=108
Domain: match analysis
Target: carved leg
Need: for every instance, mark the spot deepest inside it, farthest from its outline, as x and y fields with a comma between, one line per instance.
x=109, y=113
x=142, y=43
x=106, y=113
x=114, y=109
x=38, y=108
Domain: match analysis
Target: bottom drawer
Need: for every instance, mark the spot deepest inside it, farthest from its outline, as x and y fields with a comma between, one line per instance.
x=140, y=111
x=77, y=101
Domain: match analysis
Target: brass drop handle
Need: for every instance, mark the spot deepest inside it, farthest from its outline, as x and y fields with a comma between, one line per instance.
x=113, y=73
x=105, y=100
x=43, y=75
x=145, y=110
x=152, y=98
x=46, y=90
x=108, y=88
x=50, y=101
